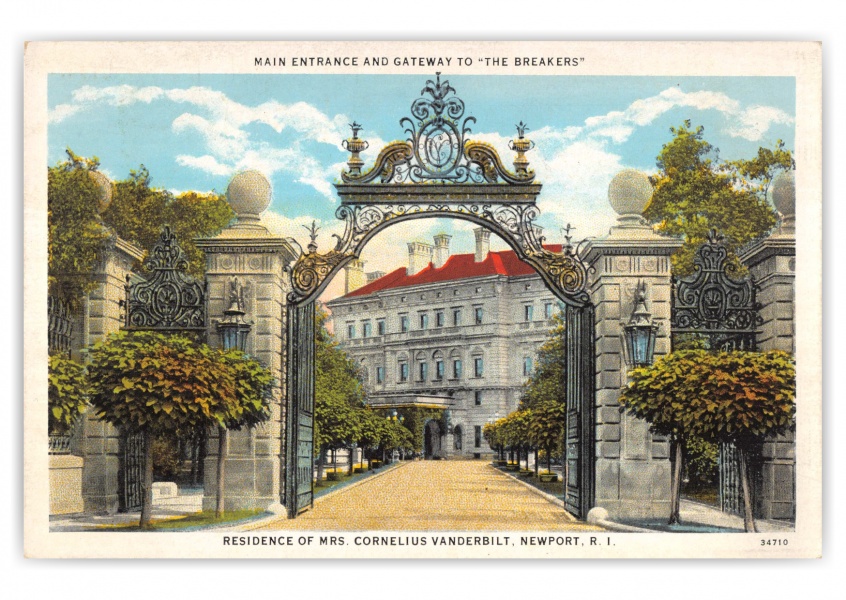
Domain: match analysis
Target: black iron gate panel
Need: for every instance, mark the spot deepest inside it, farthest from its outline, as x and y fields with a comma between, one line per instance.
x=299, y=448
x=130, y=489
x=721, y=309
x=579, y=438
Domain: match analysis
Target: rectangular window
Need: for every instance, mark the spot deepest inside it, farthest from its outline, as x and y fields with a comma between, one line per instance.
x=351, y=331
x=478, y=398
x=478, y=314
x=478, y=367
x=456, y=316
x=439, y=318
x=528, y=312
x=547, y=310
x=404, y=323
x=403, y=372
x=367, y=329
x=527, y=366
x=439, y=369
x=477, y=436
x=380, y=374
x=424, y=321
x=380, y=327
x=424, y=371
x=456, y=369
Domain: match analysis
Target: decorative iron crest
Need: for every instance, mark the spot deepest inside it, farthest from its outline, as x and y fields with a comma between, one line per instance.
x=713, y=303
x=437, y=149
x=564, y=272
x=169, y=299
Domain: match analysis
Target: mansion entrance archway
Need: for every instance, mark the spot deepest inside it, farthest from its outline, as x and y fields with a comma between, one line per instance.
x=439, y=172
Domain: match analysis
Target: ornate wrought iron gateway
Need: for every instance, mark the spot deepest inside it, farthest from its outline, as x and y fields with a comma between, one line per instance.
x=168, y=301
x=439, y=172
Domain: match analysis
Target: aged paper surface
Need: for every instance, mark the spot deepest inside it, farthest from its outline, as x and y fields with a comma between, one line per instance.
x=596, y=101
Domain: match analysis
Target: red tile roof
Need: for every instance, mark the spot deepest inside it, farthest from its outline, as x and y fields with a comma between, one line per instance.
x=458, y=266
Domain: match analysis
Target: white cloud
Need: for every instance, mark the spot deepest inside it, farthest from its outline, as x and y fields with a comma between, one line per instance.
x=60, y=112
x=755, y=121
x=205, y=163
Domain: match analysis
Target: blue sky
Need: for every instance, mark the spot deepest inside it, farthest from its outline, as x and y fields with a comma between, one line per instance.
x=193, y=132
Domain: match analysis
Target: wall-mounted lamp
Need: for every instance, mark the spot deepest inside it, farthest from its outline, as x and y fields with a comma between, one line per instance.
x=639, y=332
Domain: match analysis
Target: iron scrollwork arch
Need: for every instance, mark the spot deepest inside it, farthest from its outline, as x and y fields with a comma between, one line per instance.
x=564, y=272
x=438, y=172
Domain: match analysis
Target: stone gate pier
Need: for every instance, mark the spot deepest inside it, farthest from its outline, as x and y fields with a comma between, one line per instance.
x=632, y=466
x=245, y=264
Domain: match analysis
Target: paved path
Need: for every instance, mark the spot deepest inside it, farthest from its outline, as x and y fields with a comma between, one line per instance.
x=434, y=496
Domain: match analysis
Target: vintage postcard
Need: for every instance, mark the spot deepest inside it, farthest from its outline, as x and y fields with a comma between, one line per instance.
x=423, y=300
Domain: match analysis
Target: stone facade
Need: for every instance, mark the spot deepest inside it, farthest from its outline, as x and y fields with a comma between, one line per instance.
x=248, y=253
x=632, y=464
x=400, y=336
x=771, y=263
x=95, y=441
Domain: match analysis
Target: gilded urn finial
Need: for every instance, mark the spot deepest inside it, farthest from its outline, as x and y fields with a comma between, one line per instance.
x=355, y=146
x=521, y=145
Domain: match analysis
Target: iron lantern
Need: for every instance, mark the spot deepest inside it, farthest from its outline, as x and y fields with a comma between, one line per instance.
x=233, y=329
x=640, y=333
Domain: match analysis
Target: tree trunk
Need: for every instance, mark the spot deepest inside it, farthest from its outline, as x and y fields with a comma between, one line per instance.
x=202, y=453
x=675, y=482
x=748, y=515
x=537, y=468
x=147, y=484
x=352, y=459
x=321, y=464
x=335, y=461
x=195, y=455
x=548, y=460
x=221, y=469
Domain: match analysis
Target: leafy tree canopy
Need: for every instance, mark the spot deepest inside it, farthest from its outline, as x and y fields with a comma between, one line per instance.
x=727, y=396
x=85, y=211
x=144, y=380
x=696, y=192
x=67, y=393
x=76, y=235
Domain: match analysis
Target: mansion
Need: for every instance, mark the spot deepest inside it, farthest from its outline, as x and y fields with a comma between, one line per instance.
x=455, y=332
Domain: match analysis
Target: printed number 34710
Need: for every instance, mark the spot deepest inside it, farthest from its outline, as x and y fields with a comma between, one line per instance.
x=774, y=542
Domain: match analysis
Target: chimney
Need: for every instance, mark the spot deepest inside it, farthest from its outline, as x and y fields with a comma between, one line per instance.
x=374, y=275
x=419, y=257
x=441, y=249
x=353, y=276
x=483, y=243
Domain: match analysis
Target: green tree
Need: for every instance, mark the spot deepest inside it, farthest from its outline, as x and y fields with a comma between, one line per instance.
x=728, y=397
x=696, y=192
x=338, y=395
x=157, y=384
x=545, y=393
x=67, y=393
x=139, y=211
x=76, y=236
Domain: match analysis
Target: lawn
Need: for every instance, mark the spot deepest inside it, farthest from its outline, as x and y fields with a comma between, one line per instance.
x=205, y=518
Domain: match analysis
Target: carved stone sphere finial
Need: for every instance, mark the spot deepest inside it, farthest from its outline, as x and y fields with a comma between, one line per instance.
x=105, y=185
x=783, y=193
x=629, y=192
x=249, y=195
